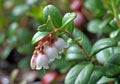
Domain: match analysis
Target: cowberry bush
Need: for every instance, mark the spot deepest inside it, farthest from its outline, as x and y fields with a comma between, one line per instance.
x=89, y=48
x=91, y=63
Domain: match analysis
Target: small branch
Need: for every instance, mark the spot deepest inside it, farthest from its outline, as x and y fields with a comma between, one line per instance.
x=82, y=51
x=115, y=12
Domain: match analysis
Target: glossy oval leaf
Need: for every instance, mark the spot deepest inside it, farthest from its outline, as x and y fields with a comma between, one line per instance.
x=116, y=50
x=85, y=74
x=38, y=36
x=93, y=26
x=95, y=6
x=70, y=27
x=20, y=10
x=112, y=66
x=25, y=49
x=105, y=27
x=104, y=55
x=42, y=27
x=68, y=17
x=113, y=23
x=102, y=44
x=111, y=70
x=73, y=73
x=12, y=29
x=105, y=80
x=96, y=75
x=24, y=63
x=49, y=23
x=115, y=59
x=2, y=38
x=6, y=52
x=115, y=34
x=77, y=34
x=48, y=27
x=74, y=53
x=24, y=36
x=55, y=15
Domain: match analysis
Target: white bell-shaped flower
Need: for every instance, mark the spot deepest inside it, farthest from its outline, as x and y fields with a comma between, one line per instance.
x=42, y=61
x=51, y=52
x=60, y=44
x=33, y=61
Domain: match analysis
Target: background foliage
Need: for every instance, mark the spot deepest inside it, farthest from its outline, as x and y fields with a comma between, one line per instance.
x=93, y=56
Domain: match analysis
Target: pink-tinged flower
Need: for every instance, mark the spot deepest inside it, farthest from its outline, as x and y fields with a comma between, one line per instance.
x=42, y=61
x=51, y=52
x=60, y=44
x=33, y=61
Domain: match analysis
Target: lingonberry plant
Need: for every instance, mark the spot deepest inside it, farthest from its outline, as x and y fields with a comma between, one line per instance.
x=97, y=64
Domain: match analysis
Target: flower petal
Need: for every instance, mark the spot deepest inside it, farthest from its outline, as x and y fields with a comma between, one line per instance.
x=42, y=61
x=60, y=44
x=33, y=62
x=51, y=52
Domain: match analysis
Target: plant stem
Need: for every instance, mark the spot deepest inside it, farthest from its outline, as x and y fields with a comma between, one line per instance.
x=82, y=51
x=115, y=12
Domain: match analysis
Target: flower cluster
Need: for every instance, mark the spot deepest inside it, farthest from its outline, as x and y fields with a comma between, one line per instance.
x=46, y=51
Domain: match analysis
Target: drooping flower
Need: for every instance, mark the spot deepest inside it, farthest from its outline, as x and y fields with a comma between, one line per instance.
x=42, y=61
x=46, y=51
x=60, y=44
x=51, y=52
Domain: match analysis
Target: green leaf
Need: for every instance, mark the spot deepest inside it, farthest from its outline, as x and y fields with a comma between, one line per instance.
x=38, y=36
x=24, y=36
x=55, y=15
x=13, y=41
x=24, y=63
x=113, y=23
x=93, y=26
x=73, y=73
x=112, y=66
x=69, y=28
x=74, y=53
x=105, y=80
x=25, y=49
x=104, y=55
x=116, y=50
x=49, y=26
x=20, y=10
x=115, y=59
x=96, y=7
x=111, y=70
x=85, y=74
x=6, y=52
x=117, y=3
x=104, y=23
x=12, y=29
x=68, y=23
x=2, y=38
x=115, y=34
x=68, y=17
x=102, y=44
x=96, y=75
x=42, y=27
x=49, y=23
x=105, y=27
x=85, y=41
x=62, y=65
